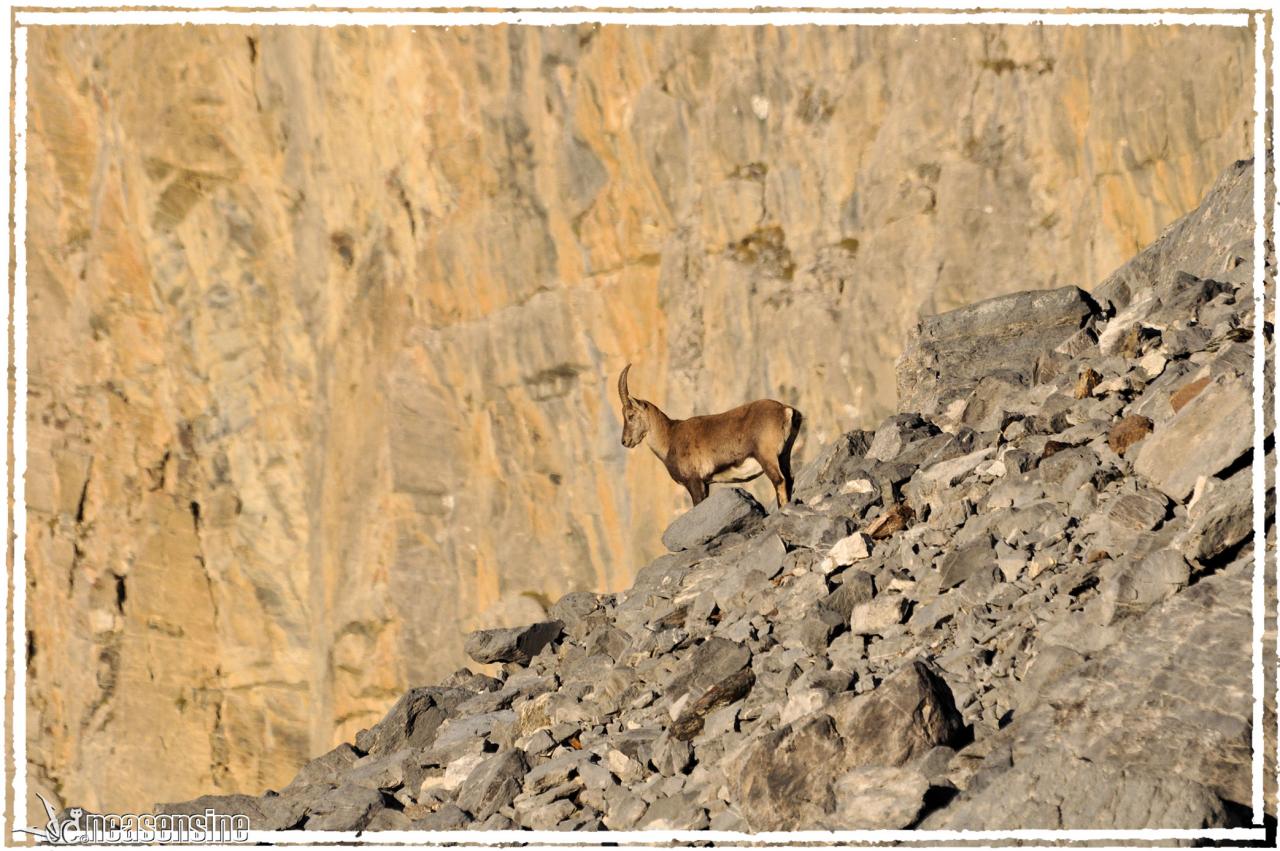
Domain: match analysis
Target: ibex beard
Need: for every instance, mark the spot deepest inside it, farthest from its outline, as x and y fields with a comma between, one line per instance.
x=732, y=447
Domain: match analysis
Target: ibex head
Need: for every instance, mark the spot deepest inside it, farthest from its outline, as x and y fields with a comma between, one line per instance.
x=635, y=420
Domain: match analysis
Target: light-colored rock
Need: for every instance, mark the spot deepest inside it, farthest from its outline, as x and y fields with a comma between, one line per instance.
x=460, y=769
x=847, y=551
x=878, y=798
x=877, y=615
x=1153, y=364
x=802, y=703
x=1203, y=438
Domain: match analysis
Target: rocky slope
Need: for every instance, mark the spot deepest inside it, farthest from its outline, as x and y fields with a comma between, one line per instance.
x=1034, y=585
x=324, y=322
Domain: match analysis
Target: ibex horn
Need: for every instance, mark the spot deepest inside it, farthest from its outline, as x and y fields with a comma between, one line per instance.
x=622, y=386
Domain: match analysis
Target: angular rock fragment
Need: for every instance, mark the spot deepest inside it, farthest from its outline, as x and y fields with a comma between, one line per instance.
x=624, y=811
x=1135, y=589
x=389, y=819
x=801, y=527
x=713, y=661
x=412, y=722
x=493, y=784
x=878, y=615
x=911, y=712
x=857, y=587
x=515, y=644
x=961, y=565
x=670, y=755
x=1204, y=438
x=232, y=805
x=329, y=768
x=1221, y=517
x=344, y=808
x=847, y=551
x=682, y=811
x=725, y=510
x=834, y=463
x=448, y=817
x=1058, y=792
x=765, y=555
x=1128, y=515
x=897, y=432
x=811, y=632
x=785, y=781
x=573, y=607
x=380, y=772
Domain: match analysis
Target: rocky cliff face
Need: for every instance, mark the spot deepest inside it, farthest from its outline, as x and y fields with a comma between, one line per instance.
x=324, y=322
x=1038, y=591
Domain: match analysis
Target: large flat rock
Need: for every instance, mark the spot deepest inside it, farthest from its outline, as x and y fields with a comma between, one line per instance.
x=725, y=510
x=1205, y=437
x=947, y=354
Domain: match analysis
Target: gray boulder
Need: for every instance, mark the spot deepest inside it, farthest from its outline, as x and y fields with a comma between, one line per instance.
x=958, y=566
x=785, y=781
x=328, y=769
x=412, y=722
x=1222, y=517
x=516, y=644
x=448, y=817
x=1204, y=438
x=947, y=355
x=493, y=784
x=725, y=510
x=910, y=713
x=344, y=808
x=712, y=662
x=896, y=433
x=878, y=798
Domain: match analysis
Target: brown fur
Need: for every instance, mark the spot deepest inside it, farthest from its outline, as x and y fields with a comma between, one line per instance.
x=698, y=450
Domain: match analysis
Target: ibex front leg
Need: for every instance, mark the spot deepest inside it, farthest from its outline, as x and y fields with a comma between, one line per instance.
x=697, y=490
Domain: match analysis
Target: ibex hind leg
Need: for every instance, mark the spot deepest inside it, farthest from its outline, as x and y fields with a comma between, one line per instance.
x=773, y=469
x=784, y=457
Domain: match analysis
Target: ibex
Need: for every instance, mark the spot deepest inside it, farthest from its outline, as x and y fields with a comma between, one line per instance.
x=735, y=446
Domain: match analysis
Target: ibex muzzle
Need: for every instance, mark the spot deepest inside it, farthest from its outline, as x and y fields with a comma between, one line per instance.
x=735, y=446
